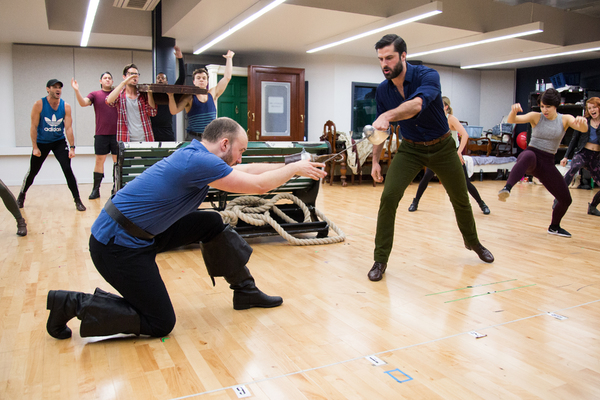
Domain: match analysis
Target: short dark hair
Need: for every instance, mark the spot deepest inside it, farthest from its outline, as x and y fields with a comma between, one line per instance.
x=132, y=65
x=104, y=73
x=200, y=71
x=390, y=38
x=550, y=97
x=220, y=128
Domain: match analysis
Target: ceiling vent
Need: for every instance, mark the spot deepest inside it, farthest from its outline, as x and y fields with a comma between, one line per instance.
x=140, y=5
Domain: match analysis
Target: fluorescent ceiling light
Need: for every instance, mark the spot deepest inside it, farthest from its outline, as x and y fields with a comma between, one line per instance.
x=89, y=21
x=578, y=50
x=254, y=12
x=502, y=34
x=406, y=17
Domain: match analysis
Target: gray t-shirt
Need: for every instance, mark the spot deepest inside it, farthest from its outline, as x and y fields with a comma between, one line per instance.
x=547, y=134
x=134, y=121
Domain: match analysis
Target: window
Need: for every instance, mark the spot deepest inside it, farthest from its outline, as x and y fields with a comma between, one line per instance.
x=364, y=108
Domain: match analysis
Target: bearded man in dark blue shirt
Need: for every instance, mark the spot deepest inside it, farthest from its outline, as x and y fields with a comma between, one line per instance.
x=412, y=96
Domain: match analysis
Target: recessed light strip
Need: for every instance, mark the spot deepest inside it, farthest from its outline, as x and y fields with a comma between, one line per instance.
x=241, y=24
x=503, y=34
x=406, y=17
x=517, y=60
x=89, y=21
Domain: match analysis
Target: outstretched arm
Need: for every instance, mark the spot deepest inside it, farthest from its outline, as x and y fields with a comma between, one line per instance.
x=222, y=85
x=239, y=181
x=83, y=101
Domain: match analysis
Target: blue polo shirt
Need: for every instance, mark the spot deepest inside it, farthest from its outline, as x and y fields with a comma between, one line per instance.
x=162, y=194
x=424, y=82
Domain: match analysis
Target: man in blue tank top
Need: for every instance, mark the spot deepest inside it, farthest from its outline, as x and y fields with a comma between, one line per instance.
x=50, y=122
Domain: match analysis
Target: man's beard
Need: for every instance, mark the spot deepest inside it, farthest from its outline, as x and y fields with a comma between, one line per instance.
x=394, y=72
x=228, y=157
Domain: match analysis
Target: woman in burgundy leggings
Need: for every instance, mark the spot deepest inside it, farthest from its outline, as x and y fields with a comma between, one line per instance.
x=547, y=130
x=586, y=146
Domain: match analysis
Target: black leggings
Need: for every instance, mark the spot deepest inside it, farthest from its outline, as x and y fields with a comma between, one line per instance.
x=590, y=160
x=61, y=152
x=541, y=165
x=135, y=275
x=9, y=201
x=429, y=175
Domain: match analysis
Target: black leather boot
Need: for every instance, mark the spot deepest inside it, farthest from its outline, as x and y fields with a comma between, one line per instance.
x=96, y=189
x=108, y=314
x=414, y=205
x=64, y=306
x=21, y=227
x=246, y=295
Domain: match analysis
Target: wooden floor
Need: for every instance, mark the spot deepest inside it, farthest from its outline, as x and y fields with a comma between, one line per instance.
x=335, y=326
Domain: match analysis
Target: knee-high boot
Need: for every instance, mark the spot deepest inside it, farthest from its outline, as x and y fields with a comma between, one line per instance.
x=101, y=314
x=96, y=189
x=226, y=255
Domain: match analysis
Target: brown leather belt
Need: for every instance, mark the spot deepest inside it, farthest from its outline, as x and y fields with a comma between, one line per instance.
x=431, y=142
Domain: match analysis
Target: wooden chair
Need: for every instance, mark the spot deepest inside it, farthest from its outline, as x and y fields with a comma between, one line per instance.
x=330, y=135
x=478, y=144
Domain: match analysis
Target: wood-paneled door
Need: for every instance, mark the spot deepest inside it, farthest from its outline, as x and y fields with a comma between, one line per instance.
x=275, y=103
x=233, y=103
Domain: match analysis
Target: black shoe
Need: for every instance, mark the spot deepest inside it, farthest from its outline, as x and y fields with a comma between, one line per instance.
x=483, y=253
x=244, y=299
x=79, y=205
x=21, y=227
x=377, y=271
x=503, y=194
x=557, y=230
x=95, y=193
x=484, y=208
x=414, y=205
x=500, y=175
x=21, y=200
x=592, y=210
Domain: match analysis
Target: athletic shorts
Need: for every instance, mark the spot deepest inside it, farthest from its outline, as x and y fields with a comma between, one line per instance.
x=104, y=144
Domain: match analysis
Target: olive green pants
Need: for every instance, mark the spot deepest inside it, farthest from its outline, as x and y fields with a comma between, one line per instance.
x=406, y=164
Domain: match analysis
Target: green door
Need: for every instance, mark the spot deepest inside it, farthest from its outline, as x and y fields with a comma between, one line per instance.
x=233, y=103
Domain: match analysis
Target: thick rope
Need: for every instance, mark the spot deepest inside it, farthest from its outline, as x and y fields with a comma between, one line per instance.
x=255, y=211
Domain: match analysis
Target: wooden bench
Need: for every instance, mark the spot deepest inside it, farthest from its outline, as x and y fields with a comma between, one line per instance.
x=135, y=157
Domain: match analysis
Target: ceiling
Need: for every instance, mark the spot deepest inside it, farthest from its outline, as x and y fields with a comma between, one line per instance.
x=297, y=25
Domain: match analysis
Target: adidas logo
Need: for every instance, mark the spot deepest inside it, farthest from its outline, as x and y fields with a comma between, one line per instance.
x=53, y=121
x=53, y=124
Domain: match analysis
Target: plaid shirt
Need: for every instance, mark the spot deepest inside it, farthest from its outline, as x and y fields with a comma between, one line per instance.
x=145, y=113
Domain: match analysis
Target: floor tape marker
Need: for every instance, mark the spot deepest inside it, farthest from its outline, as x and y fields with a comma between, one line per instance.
x=470, y=287
x=492, y=292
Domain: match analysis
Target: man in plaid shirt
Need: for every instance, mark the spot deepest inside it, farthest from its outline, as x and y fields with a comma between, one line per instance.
x=134, y=108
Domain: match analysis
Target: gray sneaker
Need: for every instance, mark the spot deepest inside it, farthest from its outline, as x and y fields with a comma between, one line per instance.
x=503, y=194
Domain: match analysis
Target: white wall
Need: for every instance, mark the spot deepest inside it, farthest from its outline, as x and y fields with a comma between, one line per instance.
x=479, y=97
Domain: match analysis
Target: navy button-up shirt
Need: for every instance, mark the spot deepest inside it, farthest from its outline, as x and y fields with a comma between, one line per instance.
x=431, y=122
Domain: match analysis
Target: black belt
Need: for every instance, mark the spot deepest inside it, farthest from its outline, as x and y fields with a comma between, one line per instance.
x=431, y=142
x=125, y=223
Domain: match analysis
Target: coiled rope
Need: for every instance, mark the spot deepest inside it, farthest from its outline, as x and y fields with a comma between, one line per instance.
x=256, y=211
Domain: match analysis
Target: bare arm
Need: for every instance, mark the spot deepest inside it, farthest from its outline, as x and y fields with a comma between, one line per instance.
x=239, y=181
x=114, y=95
x=578, y=123
x=222, y=85
x=455, y=125
x=35, y=120
x=83, y=101
x=151, y=102
x=531, y=117
x=176, y=108
x=69, y=130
